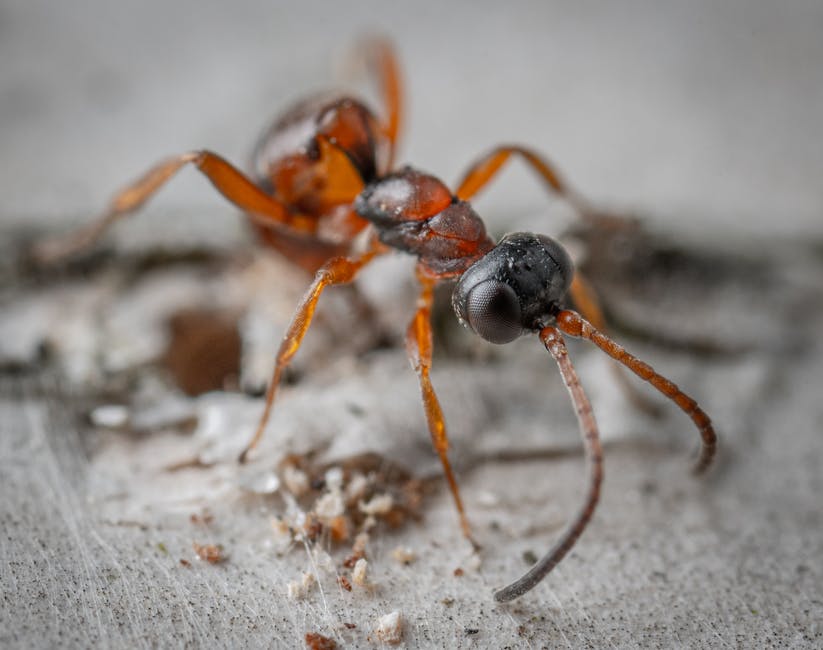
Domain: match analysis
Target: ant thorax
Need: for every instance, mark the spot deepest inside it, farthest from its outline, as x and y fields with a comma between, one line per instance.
x=416, y=213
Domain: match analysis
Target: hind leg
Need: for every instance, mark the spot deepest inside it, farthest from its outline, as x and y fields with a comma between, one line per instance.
x=483, y=171
x=229, y=181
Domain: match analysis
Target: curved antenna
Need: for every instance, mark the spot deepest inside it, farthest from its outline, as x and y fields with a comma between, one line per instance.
x=553, y=340
x=575, y=325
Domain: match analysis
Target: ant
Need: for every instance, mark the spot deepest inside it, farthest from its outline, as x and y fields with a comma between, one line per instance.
x=324, y=192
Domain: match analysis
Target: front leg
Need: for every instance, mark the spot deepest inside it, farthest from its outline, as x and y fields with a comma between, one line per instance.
x=419, y=351
x=339, y=270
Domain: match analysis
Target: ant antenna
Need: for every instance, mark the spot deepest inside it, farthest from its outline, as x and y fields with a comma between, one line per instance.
x=575, y=325
x=553, y=340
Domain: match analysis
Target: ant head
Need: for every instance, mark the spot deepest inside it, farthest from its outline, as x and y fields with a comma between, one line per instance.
x=514, y=287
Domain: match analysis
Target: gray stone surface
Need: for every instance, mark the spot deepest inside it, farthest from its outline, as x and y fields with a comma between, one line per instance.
x=705, y=119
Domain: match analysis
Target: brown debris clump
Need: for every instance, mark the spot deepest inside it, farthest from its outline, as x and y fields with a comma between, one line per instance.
x=315, y=641
x=211, y=553
x=344, y=500
x=204, y=350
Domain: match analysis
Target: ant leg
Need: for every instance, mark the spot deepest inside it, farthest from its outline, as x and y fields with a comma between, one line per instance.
x=228, y=180
x=382, y=63
x=585, y=299
x=419, y=351
x=339, y=270
x=553, y=340
x=575, y=325
x=483, y=171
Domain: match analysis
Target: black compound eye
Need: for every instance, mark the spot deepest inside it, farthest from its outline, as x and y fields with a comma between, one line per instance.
x=493, y=311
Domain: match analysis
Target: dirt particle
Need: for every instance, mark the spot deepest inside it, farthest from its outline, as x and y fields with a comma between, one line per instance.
x=315, y=641
x=211, y=553
x=204, y=350
x=404, y=555
x=529, y=557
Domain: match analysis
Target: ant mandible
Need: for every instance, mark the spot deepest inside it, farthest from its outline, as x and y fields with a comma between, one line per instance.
x=325, y=182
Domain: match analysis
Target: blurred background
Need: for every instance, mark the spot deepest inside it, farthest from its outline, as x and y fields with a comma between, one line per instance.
x=700, y=112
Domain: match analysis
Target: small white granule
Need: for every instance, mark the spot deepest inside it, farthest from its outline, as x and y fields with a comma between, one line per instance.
x=334, y=479
x=299, y=589
x=323, y=561
x=281, y=535
x=404, y=555
x=487, y=499
x=360, y=543
x=378, y=505
x=296, y=480
x=356, y=488
x=389, y=628
x=110, y=416
x=330, y=505
x=358, y=574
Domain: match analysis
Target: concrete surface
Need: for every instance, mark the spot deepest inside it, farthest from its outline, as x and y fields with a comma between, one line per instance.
x=703, y=118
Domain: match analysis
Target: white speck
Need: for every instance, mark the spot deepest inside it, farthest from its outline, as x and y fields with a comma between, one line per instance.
x=404, y=555
x=389, y=628
x=378, y=505
x=360, y=542
x=297, y=590
x=356, y=487
x=358, y=574
x=260, y=483
x=487, y=499
x=296, y=480
x=111, y=416
x=334, y=478
x=282, y=537
x=323, y=561
x=330, y=505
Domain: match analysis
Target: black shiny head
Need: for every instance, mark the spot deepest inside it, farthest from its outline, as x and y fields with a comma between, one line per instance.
x=513, y=288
